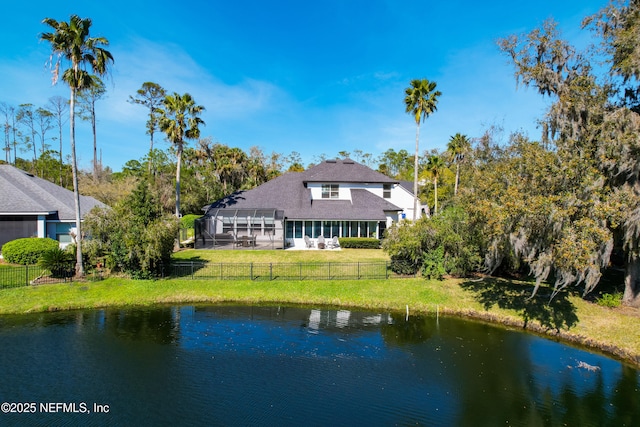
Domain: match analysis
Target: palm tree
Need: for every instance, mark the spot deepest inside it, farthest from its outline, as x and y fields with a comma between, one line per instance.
x=179, y=120
x=70, y=42
x=420, y=100
x=435, y=166
x=457, y=148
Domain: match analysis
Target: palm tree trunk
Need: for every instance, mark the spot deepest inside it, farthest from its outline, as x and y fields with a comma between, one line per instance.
x=435, y=193
x=178, y=167
x=455, y=188
x=415, y=174
x=631, y=295
x=76, y=192
x=95, y=142
x=60, y=136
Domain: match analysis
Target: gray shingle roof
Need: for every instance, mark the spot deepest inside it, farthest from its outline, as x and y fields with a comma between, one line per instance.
x=289, y=193
x=344, y=170
x=23, y=193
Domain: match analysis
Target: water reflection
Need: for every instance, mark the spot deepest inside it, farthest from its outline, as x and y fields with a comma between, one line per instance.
x=228, y=365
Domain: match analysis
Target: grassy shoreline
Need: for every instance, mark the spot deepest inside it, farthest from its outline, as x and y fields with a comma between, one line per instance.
x=568, y=318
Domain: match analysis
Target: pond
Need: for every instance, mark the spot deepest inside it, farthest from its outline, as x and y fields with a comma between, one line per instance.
x=228, y=365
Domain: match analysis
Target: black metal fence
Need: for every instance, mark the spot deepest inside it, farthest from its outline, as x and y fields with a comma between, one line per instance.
x=12, y=277
x=24, y=275
x=284, y=271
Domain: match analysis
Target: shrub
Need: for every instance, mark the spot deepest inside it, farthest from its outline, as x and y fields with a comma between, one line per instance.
x=448, y=233
x=60, y=263
x=138, y=245
x=359, y=243
x=610, y=300
x=27, y=251
x=188, y=221
x=433, y=264
x=404, y=265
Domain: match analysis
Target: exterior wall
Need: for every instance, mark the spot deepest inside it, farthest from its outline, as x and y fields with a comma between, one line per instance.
x=404, y=199
x=344, y=190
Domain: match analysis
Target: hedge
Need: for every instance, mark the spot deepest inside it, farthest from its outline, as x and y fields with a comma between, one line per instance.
x=27, y=251
x=359, y=243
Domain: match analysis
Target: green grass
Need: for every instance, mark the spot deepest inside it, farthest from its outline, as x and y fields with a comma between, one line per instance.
x=280, y=256
x=568, y=317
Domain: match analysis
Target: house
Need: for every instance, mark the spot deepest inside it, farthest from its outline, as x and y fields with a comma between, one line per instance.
x=339, y=197
x=34, y=207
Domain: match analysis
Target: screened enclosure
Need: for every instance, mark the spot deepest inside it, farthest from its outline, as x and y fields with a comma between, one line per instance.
x=240, y=228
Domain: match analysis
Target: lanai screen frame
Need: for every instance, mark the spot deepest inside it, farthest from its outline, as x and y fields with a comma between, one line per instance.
x=227, y=225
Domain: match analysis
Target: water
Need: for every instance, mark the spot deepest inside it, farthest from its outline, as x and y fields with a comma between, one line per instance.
x=281, y=366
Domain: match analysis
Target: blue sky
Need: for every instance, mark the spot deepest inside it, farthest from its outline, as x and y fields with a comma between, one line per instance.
x=312, y=77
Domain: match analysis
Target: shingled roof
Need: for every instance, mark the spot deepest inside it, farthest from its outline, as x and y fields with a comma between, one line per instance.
x=289, y=193
x=22, y=193
x=344, y=170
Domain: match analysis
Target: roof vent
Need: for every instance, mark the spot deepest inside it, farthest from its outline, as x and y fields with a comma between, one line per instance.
x=331, y=161
x=348, y=162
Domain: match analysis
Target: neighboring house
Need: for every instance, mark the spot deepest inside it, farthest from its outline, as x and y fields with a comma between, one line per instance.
x=34, y=207
x=334, y=198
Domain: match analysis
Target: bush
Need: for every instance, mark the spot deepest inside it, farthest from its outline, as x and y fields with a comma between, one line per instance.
x=433, y=264
x=188, y=221
x=404, y=266
x=448, y=237
x=610, y=300
x=60, y=263
x=359, y=243
x=131, y=237
x=27, y=251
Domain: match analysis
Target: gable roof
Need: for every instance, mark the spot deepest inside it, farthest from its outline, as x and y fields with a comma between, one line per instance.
x=289, y=193
x=22, y=193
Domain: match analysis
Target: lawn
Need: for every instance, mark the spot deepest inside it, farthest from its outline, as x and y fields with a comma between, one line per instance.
x=568, y=316
x=280, y=256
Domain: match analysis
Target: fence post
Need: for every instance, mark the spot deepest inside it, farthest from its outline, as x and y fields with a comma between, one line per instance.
x=329, y=270
x=26, y=275
x=270, y=271
x=191, y=270
x=386, y=269
x=358, y=269
x=251, y=270
x=300, y=270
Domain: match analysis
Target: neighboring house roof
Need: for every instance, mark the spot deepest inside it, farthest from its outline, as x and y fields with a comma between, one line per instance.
x=289, y=193
x=22, y=193
x=407, y=185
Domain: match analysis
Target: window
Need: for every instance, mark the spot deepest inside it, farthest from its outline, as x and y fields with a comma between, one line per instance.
x=294, y=229
x=63, y=232
x=386, y=191
x=330, y=191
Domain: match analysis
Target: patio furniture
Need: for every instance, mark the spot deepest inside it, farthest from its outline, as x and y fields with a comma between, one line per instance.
x=334, y=242
x=321, y=242
x=308, y=242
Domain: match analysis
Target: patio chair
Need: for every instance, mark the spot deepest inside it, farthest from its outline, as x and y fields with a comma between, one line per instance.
x=320, y=242
x=309, y=242
x=335, y=243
